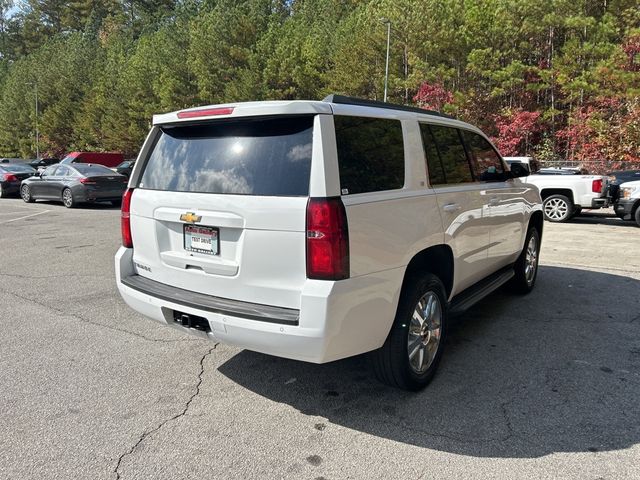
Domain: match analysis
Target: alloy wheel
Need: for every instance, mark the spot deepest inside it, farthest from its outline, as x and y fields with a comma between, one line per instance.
x=531, y=260
x=556, y=209
x=67, y=198
x=425, y=331
x=25, y=193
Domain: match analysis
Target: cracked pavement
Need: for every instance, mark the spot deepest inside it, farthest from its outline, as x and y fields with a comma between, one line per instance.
x=544, y=386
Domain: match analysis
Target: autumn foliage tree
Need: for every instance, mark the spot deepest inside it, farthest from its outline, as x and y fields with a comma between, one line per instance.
x=517, y=131
x=558, y=79
x=433, y=96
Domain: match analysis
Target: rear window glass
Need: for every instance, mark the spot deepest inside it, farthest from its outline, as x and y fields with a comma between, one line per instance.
x=370, y=154
x=270, y=157
x=18, y=168
x=88, y=169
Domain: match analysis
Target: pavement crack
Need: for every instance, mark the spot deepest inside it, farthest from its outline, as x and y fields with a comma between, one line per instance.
x=187, y=404
x=507, y=420
x=97, y=324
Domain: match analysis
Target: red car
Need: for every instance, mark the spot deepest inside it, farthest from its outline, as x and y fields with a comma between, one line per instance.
x=108, y=159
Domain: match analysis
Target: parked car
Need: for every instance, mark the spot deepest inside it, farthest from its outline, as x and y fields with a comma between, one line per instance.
x=12, y=160
x=11, y=174
x=321, y=230
x=559, y=171
x=529, y=163
x=618, y=177
x=628, y=205
x=565, y=195
x=108, y=159
x=74, y=184
x=125, y=168
x=43, y=163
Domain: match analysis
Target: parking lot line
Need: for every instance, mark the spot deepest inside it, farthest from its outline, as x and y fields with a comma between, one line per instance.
x=25, y=216
x=23, y=206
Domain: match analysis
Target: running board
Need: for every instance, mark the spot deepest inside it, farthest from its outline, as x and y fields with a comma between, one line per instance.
x=472, y=295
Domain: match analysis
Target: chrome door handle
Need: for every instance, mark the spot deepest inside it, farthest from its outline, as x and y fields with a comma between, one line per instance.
x=451, y=207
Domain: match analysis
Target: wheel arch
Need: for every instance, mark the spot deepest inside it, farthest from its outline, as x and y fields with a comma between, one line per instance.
x=438, y=260
x=547, y=192
x=536, y=220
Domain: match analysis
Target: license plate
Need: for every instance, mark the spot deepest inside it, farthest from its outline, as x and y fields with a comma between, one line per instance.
x=201, y=239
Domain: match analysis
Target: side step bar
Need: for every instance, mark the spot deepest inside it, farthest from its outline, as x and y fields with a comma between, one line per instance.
x=472, y=295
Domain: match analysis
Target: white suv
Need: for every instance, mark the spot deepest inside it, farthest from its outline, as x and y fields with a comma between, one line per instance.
x=318, y=230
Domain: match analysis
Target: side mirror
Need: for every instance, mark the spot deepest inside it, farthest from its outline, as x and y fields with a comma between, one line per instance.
x=519, y=170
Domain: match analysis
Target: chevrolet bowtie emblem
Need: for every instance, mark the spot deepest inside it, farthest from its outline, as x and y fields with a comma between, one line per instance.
x=190, y=217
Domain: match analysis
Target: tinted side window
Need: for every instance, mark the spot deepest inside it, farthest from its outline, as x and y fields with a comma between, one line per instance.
x=434, y=163
x=452, y=154
x=486, y=162
x=370, y=154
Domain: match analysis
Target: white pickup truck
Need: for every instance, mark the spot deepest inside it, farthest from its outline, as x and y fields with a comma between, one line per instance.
x=564, y=194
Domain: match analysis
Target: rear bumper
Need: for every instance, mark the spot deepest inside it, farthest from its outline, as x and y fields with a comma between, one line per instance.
x=209, y=303
x=600, y=202
x=335, y=319
x=84, y=194
x=10, y=188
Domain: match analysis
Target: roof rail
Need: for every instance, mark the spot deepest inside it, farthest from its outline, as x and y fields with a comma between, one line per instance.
x=343, y=99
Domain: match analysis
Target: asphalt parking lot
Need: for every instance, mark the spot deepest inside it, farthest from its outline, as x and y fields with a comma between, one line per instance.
x=543, y=386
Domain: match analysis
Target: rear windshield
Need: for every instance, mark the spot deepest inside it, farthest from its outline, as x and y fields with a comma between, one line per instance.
x=89, y=169
x=270, y=157
x=18, y=168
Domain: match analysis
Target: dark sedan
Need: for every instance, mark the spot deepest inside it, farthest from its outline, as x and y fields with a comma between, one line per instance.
x=125, y=168
x=10, y=177
x=74, y=184
x=41, y=164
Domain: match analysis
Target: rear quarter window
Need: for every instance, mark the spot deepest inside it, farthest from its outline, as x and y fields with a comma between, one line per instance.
x=251, y=156
x=370, y=154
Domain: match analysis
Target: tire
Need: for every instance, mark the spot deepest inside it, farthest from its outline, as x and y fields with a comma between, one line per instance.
x=526, y=267
x=637, y=215
x=3, y=194
x=67, y=198
x=25, y=193
x=425, y=332
x=557, y=208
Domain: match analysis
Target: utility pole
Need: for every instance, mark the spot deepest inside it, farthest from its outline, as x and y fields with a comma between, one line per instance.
x=386, y=69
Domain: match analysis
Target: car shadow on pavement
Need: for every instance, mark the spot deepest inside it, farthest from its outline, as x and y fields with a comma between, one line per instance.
x=522, y=377
x=81, y=206
x=598, y=218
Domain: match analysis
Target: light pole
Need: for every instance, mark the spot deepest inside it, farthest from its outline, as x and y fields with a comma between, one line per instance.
x=35, y=85
x=386, y=68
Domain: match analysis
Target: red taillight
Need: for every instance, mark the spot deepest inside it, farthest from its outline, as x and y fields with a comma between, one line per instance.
x=87, y=181
x=596, y=186
x=125, y=223
x=327, y=239
x=206, y=112
x=10, y=177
